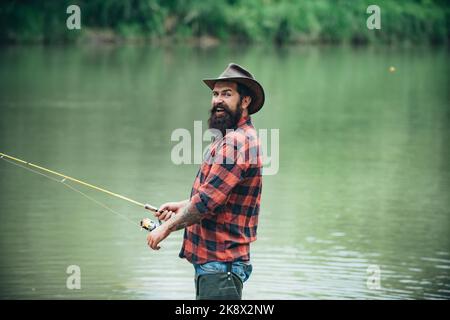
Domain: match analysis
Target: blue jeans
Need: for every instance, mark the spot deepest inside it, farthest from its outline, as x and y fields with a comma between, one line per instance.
x=242, y=269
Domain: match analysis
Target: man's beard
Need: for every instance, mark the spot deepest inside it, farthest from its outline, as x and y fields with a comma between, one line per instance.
x=228, y=120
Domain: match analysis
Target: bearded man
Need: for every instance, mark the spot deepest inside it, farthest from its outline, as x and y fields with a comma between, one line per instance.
x=220, y=217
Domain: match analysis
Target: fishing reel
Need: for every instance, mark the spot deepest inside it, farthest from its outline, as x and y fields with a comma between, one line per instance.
x=149, y=225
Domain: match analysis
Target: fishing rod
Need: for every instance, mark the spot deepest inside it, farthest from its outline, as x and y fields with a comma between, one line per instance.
x=145, y=223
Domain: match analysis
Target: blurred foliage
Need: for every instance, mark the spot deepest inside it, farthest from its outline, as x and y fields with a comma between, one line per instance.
x=277, y=21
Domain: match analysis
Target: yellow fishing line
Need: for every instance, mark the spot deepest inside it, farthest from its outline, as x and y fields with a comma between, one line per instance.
x=146, y=206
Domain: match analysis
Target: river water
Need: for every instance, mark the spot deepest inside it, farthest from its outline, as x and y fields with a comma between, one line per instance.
x=356, y=205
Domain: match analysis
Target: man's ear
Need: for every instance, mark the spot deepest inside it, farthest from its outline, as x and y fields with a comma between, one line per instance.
x=246, y=102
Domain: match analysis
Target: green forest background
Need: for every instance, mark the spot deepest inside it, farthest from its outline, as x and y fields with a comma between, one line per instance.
x=255, y=21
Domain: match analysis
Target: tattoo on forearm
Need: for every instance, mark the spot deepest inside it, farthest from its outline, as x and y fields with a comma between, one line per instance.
x=185, y=219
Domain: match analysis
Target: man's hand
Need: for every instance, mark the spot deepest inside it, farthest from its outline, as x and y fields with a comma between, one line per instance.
x=169, y=209
x=156, y=236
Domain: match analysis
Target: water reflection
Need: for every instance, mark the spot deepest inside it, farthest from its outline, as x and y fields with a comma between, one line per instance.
x=363, y=179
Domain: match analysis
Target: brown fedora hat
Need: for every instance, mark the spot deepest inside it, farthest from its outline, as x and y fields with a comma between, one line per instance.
x=236, y=73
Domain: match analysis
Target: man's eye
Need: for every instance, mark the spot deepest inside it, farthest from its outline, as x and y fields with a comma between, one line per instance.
x=214, y=94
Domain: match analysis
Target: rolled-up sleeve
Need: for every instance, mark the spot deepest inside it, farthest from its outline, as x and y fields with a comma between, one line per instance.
x=227, y=170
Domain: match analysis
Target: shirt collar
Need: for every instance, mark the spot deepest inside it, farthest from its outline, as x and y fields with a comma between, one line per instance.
x=243, y=120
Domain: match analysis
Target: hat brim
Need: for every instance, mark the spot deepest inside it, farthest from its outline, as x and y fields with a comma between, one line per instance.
x=253, y=85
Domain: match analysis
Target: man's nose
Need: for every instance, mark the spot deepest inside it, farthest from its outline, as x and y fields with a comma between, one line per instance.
x=217, y=101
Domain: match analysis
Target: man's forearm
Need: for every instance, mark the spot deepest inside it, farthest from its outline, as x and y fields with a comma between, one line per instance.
x=188, y=216
x=185, y=202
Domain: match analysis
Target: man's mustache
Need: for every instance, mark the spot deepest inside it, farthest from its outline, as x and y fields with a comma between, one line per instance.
x=223, y=106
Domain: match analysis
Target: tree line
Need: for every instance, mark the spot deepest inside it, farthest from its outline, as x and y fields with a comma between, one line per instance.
x=254, y=21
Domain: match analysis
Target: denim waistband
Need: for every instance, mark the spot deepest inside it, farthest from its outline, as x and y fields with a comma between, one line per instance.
x=242, y=269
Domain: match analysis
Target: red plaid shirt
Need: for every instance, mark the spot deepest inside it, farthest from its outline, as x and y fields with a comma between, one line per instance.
x=227, y=191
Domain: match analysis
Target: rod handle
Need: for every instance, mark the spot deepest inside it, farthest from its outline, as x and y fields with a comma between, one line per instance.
x=150, y=207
